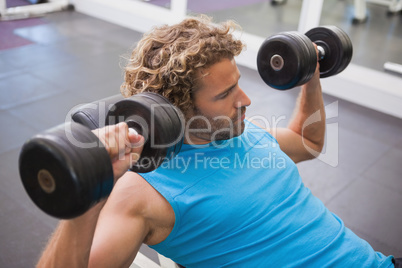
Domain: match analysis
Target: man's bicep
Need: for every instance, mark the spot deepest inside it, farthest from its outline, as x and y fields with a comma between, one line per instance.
x=293, y=144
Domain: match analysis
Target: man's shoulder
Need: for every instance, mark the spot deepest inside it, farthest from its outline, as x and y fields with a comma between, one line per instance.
x=260, y=130
x=135, y=185
x=144, y=198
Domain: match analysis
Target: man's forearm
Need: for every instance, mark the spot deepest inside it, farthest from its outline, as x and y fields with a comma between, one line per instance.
x=309, y=116
x=70, y=245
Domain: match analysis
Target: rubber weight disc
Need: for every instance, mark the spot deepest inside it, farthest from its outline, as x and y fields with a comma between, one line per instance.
x=155, y=118
x=310, y=55
x=65, y=170
x=286, y=60
x=337, y=46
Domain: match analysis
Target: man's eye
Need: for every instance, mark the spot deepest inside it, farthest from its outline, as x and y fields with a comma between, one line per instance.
x=224, y=95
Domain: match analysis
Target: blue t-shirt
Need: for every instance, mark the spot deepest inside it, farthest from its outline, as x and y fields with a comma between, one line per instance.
x=241, y=203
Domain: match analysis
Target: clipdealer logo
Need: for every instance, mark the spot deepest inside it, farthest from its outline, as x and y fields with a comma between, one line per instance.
x=329, y=154
x=202, y=161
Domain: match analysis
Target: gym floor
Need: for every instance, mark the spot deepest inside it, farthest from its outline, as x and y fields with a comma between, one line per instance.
x=51, y=64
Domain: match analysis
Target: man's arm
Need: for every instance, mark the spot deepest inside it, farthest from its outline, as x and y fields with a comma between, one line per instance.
x=120, y=231
x=135, y=213
x=71, y=243
x=303, y=139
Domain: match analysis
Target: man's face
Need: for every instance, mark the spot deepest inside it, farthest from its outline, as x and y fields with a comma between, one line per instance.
x=220, y=105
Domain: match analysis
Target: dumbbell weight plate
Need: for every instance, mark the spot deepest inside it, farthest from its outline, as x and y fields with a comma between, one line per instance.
x=338, y=49
x=286, y=60
x=54, y=175
x=311, y=56
x=154, y=117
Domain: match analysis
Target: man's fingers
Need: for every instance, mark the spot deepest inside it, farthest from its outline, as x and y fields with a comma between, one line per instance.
x=135, y=143
x=134, y=138
x=120, y=140
x=317, y=70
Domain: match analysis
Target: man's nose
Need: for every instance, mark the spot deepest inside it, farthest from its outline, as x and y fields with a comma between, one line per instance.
x=242, y=99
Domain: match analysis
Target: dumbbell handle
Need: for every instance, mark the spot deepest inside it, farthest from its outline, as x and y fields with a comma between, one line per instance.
x=321, y=52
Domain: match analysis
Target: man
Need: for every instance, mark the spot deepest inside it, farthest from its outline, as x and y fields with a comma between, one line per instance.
x=236, y=199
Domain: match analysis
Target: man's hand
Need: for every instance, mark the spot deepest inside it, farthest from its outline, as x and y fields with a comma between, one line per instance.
x=124, y=146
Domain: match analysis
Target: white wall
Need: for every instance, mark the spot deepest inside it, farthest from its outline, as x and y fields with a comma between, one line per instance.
x=377, y=90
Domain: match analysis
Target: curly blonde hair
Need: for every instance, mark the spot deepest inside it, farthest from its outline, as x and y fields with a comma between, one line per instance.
x=166, y=60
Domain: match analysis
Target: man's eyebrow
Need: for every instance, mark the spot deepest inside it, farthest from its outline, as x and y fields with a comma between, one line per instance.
x=228, y=89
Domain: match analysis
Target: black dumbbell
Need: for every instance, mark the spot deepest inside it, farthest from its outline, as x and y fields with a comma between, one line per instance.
x=66, y=170
x=289, y=59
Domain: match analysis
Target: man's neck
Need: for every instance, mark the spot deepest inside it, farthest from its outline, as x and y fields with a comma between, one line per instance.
x=194, y=140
